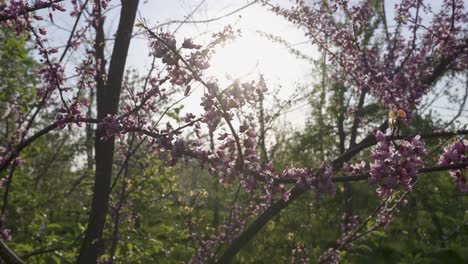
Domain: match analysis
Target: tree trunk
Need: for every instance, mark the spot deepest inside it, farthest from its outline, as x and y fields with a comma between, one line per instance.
x=108, y=94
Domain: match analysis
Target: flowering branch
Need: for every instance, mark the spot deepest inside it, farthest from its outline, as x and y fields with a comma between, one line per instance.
x=19, y=9
x=297, y=191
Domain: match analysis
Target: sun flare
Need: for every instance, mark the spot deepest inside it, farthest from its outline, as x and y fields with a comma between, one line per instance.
x=250, y=55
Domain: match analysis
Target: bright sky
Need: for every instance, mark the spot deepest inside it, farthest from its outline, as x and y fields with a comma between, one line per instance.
x=253, y=53
x=244, y=58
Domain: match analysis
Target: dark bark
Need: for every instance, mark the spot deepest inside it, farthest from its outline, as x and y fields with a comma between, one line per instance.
x=122, y=200
x=357, y=119
x=108, y=95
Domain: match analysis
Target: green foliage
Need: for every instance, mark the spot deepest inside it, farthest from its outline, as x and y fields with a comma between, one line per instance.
x=17, y=75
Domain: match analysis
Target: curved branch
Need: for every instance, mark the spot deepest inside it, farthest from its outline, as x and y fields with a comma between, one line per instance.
x=39, y=134
x=72, y=33
x=7, y=255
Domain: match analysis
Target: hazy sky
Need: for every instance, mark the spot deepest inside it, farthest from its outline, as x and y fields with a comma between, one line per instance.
x=244, y=58
x=253, y=53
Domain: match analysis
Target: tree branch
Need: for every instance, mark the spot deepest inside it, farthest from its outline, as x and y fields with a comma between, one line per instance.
x=108, y=97
x=7, y=255
x=36, y=7
x=296, y=192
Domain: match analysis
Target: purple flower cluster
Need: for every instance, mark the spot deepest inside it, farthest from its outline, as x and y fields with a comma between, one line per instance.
x=299, y=254
x=394, y=165
x=388, y=73
x=53, y=76
x=183, y=68
x=456, y=152
x=5, y=234
x=330, y=256
x=228, y=165
x=17, y=14
x=325, y=184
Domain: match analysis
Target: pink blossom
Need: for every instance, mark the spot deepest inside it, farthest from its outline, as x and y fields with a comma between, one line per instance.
x=456, y=152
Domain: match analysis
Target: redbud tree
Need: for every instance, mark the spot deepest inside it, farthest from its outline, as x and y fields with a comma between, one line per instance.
x=395, y=66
